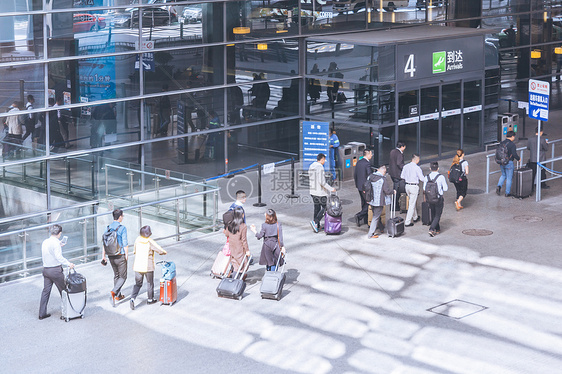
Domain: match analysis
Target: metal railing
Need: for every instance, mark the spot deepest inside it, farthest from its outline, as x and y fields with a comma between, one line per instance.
x=521, y=150
x=29, y=261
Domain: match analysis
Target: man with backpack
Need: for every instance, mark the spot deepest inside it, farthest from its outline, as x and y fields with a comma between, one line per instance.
x=381, y=191
x=505, y=154
x=434, y=186
x=116, y=247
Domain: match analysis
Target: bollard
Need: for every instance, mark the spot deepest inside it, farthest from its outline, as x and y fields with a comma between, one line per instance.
x=292, y=195
x=259, y=203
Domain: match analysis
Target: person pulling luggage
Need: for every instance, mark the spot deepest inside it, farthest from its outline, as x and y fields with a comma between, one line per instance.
x=144, y=264
x=236, y=232
x=382, y=190
x=272, y=234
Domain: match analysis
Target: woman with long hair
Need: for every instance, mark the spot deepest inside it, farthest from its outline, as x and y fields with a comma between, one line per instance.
x=462, y=185
x=272, y=234
x=236, y=231
x=144, y=264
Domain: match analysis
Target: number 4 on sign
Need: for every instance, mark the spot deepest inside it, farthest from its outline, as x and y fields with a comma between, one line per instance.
x=410, y=67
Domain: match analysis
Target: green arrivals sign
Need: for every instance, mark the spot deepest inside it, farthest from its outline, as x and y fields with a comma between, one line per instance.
x=439, y=62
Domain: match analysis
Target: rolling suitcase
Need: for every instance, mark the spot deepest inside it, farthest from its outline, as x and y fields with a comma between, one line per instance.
x=168, y=283
x=404, y=201
x=426, y=214
x=221, y=267
x=273, y=281
x=332, y=225
x=233, y=288
x=523, y=182
x=73, y=300
x=395, y=225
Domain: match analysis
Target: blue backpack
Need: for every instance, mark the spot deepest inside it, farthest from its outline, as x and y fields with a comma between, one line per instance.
x=168, y=270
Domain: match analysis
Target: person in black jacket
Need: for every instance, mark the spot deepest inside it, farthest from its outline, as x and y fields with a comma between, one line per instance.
x=507, y=170
x=396, y=166
x=362, y=171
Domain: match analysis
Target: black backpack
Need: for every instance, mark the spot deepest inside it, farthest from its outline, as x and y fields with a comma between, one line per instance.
x=502, y=154
x=367, y=190
x=333, y=206
x=432, y=190
x=456, y=173
x=110, y=243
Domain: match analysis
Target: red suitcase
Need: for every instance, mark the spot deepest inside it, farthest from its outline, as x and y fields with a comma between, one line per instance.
x=168, y=291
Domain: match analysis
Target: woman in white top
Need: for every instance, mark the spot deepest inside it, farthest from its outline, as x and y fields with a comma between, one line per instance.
x=462, y=185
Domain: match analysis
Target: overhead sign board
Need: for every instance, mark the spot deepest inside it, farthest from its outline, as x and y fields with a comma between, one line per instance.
x=539, y=93
x=439, y=58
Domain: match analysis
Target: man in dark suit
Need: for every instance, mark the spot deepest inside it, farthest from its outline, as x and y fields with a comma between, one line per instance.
x=362, y=171
x=396, y=166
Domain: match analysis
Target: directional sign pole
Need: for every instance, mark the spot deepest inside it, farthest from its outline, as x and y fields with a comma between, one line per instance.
x=537, y=179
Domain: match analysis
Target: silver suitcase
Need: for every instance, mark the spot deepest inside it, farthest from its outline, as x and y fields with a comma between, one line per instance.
x=273, y=281
x=523, y=182
x=72, y=305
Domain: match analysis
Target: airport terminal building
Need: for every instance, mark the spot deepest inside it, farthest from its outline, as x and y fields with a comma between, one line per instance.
x=106, y=108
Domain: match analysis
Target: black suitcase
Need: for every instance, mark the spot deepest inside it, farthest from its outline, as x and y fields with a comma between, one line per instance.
x=403, y=202
x=273, y=281
x=523, y=182
x=426, y=214
x=395, y=225
x=233, y=288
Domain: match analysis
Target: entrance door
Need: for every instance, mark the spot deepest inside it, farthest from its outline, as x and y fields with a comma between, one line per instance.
x=408, y=120
x=429, y=122
x=451, y=95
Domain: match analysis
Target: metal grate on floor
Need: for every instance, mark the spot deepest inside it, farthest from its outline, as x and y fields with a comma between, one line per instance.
x=457, y=309
x=527, y=218
x=477, y=232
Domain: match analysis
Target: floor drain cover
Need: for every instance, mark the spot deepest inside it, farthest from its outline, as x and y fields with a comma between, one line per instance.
x=474, y=191
x=457, y=309
x=346, y=202
x=477, y=232
x=527, y=218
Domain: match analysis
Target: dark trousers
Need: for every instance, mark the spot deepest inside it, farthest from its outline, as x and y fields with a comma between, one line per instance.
x=533, y=166
x=319, y=208
x=436, y=211
x=364, y=213
x=149, y=284
x=50, y=276
x=119, y=265
x=396, y=186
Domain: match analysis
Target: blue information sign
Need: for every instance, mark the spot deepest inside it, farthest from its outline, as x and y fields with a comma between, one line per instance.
x=539, y=92
x=315, y=139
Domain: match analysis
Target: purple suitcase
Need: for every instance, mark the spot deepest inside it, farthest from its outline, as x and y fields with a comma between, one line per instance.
x=332, y=225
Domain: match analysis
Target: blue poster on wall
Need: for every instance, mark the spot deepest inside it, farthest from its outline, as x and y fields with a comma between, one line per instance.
x=315, y=139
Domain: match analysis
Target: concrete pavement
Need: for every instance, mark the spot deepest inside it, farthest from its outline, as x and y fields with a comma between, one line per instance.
x=455, y=303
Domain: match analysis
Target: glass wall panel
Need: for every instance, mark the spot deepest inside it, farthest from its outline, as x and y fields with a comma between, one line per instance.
x=451, y=118
x=21, y=37
x=472, y=115
x=276, y=59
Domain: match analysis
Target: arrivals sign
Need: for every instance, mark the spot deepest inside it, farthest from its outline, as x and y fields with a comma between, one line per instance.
x=434, y=59
x=539, y=93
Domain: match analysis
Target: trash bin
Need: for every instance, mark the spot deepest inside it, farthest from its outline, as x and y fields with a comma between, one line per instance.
x=357, y=149
x=346, y=161
x=507, y=122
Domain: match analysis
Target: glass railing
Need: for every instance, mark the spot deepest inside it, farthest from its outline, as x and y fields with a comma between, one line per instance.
x=174, y=208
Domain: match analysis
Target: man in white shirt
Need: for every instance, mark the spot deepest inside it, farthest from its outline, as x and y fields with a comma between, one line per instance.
x=318, y=189
x=413, y=175
x=436, y=207
x=53, y=260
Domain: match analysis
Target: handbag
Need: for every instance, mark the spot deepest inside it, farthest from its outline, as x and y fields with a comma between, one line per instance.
x=226, y=248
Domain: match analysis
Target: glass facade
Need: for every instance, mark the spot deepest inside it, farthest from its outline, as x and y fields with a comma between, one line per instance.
x=202, y=88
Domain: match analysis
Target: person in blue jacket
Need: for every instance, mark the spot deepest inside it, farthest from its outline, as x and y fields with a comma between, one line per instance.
x=334, y=144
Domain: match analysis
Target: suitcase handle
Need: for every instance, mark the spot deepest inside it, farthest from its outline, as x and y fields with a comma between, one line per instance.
x=279, y=259
x=245, y=266
x=393, y=205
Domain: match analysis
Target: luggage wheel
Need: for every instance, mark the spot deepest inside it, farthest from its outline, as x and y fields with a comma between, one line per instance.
x=82, y=316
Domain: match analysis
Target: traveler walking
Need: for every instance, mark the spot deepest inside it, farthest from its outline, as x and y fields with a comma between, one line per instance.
x=505, y=154
x=459, y=176
x=32, y=125
x=236, y=232
x=116, y=247
x=362, y=171
x=434, y=186
x=272, y=234
x=413, y=175
x=334, y=146
x=164, y=111
x=143, y=266
x=318, y=190
x=382, y=191
x=51, y=253
x=532, y=147
x=395, y=167
x=15, y=131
